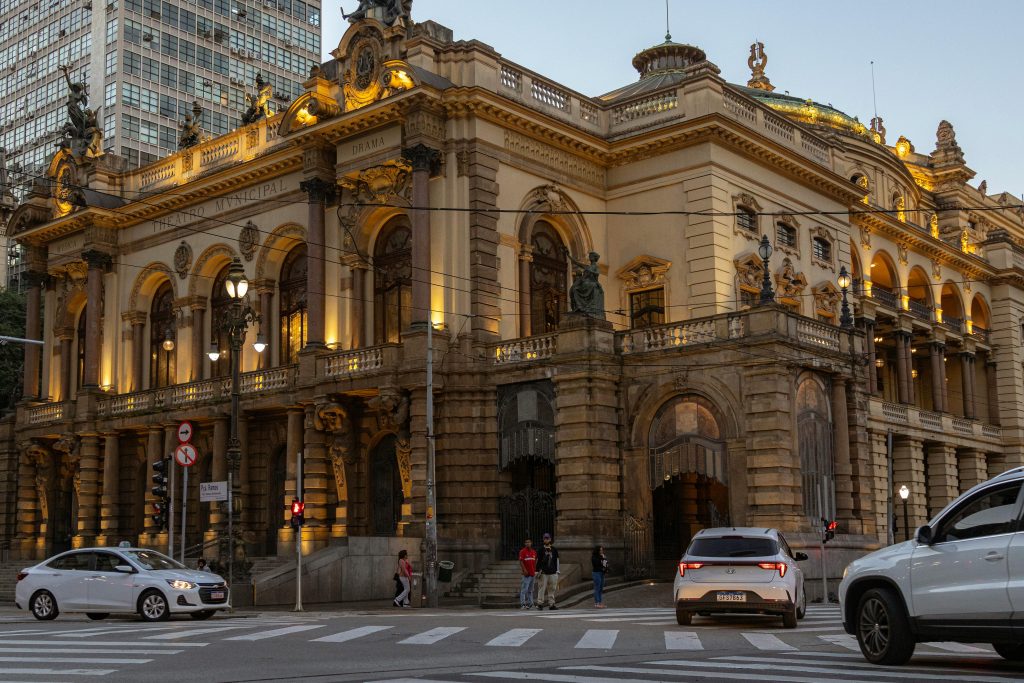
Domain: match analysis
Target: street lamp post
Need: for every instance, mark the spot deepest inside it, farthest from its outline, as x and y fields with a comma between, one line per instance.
x=904, y=494
x=764, y=250
x=845, y=319
x=240, y=316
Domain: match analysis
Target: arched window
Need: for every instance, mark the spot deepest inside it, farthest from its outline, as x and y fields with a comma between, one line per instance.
x=81, y=349
x=293, y=311
x=220, y=307
x=161, y=328
x=746, y=219
x=392, y=285
x=547, y=279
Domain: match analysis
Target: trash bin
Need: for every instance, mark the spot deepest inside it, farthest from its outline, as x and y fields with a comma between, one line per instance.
x=444, y=571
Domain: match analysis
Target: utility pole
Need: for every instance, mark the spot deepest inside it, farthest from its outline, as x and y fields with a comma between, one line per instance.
x=430, y=564
x=170, y=507
x=298, y=534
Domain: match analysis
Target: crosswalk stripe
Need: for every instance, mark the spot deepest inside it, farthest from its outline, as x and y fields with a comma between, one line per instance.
x=776, y=667
x=261, y=635
x=432, y=636
x=351, y=634
x=767, y=641
x=556, y=678
x=958, y=647
x=597, y=639
x=74, y=660
x=88, y=651
x=194, y=632
x=514, y=637
x=775, y=677
x=99, y=643
x=844, y=655
x=842, y=640
x=921, y=671
x=682, y=640
x=55, y=672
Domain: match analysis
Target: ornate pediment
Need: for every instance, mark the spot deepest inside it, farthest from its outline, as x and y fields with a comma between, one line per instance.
x=310, y=108
x=750, y=271
x=826, y=298
x=369, y=72
x=789, y=283
x=644, y=271
x=379, y=184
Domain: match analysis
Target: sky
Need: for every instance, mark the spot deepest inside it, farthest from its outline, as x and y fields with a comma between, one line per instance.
x=933, y=59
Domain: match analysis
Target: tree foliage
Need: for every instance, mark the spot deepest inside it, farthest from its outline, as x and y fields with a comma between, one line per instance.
x=12, y=355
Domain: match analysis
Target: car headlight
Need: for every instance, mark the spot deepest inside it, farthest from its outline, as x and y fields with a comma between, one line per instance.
x=846, y=570
x=178, y=584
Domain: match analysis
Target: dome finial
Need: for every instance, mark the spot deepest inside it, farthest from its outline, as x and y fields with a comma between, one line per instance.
x=757, y=61
x=668, y=30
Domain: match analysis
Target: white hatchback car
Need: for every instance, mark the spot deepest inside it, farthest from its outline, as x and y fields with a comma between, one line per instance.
x=104, y=581
x=961, y=578
x=740, y=569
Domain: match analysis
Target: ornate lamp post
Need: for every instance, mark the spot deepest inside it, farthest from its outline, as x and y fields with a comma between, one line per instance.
x=240, y=316
x=845, y=319
x=764, y=250
x=904, y=494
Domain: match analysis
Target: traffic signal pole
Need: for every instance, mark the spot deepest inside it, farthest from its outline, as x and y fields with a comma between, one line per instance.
x=170, y=506
x=298, y=535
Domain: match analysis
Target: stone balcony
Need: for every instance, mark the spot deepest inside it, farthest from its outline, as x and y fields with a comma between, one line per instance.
x=928, y=425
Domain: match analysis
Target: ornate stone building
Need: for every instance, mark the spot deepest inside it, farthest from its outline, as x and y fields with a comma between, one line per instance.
x=420, y=178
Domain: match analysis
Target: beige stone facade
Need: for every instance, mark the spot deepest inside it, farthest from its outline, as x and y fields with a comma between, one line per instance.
x=422, y=178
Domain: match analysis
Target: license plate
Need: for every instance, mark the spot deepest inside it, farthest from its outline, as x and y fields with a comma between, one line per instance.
x=216, y=595
x=732, y=597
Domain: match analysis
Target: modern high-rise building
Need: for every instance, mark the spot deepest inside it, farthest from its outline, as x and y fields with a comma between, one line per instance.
x=144, y=63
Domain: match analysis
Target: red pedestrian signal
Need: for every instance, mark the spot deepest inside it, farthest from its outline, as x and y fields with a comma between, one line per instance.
x=298, y=513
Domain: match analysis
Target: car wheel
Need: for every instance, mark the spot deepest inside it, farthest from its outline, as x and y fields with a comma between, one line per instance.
x=801, y=611
x=43, y=606
x=683, y=618
x=96, y=616
x=201, y=615
x=789, y=617
x=1013, y=652
x=883, y=629
x=153, y=606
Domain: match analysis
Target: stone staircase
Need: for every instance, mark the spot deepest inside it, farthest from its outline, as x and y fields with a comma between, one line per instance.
x=498, y=584
x=9, y=577
x=261, y=565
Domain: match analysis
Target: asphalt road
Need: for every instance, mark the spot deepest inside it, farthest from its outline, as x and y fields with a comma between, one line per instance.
x=631, y=640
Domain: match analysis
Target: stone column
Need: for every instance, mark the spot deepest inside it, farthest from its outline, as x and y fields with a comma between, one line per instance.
x=911, y=385
x=525, y=291
x=137, y=319
x=88, y=490
x=109, y=512
x=973, y=467
x=943, y=480
x=296, y=418
x=937, y=354
x=967, y=377
x=33, y=330
x=425, y=162
x=320, y=192
x=869, y=332
x=30, y=522
x=908, y=469
x=265, y=290
x=358, y=322
x=841, y=439
x=902, y=371
x=98, y=262
x=316, y=474
x=993, y=394
x=199, y=339
x=219, y=471
x=154, y=452
x=65, y=336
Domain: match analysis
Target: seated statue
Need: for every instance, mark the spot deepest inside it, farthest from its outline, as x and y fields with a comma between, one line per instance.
x=586, y=295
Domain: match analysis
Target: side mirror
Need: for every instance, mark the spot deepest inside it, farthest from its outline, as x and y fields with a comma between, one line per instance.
x=799, y=557
x=924, y=535
x=125, y=569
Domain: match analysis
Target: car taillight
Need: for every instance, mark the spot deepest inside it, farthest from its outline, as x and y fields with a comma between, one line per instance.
x=22, y=575
x=683, y=566
x=772, y=566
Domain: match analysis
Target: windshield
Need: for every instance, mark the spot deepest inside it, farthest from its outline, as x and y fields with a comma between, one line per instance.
x=732, y=546
x=150, y=559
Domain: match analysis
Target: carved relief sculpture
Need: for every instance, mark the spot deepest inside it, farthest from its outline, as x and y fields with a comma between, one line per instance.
x=333, y=419
x=182, y=259
x=248, y=240
x=392, y=407
x=790, y=283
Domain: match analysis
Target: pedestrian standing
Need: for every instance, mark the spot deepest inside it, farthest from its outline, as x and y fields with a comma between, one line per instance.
x=201, y=565
x=547, y=583
x=404, y=571
x=598, y=569
x=528, y=565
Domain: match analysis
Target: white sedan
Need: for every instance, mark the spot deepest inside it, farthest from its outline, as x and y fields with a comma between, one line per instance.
x=104, y=581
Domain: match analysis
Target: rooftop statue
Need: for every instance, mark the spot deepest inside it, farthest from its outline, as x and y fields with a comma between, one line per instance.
x=586, y=295
x=83, y=135
x=259, y=103
x=191, y=131
x=393, y=10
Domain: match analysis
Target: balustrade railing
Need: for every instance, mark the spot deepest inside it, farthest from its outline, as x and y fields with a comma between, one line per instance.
x=45, y=413
x=981, y=333
x=818, y=334
x=963, y=426
x=919, y=309
x=524, y=350
x=953, y=323
x=931, y=420
x=670, y=335
x=884, y=296
x=348, y=363
x=895, y=412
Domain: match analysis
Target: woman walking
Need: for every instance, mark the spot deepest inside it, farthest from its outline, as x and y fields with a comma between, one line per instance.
x=404, y=572
x=598, y=568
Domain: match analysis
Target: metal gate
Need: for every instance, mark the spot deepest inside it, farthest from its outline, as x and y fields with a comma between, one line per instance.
x=637, y=540
x=528, y=513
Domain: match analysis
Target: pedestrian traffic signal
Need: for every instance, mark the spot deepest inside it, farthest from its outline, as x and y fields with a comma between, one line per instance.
x=828, y=530
x=160, y=515
x=298, y=513
x=160, y=478
x=162, y=505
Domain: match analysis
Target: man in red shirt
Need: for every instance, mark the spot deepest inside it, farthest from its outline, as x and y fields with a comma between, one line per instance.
x=528, y=565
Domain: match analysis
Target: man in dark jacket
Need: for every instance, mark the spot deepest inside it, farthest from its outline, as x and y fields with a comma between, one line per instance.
x=547, y=579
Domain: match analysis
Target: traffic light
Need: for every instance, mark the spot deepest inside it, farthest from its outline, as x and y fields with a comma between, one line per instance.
x=161, y=507
x=298, y=513
x=828, y=529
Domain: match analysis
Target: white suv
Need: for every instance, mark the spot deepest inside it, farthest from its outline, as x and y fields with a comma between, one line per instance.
x=960, y=579
x=740, y=569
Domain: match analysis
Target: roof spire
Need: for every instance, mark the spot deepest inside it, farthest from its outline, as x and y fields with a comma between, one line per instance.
x=668, y=30
x=757, y=61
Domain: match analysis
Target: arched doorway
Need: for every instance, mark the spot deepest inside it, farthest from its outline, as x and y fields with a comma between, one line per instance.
x=277, y=472
x=814, y=441
x=526, y=418
x=688, y=476
x=385, y=488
